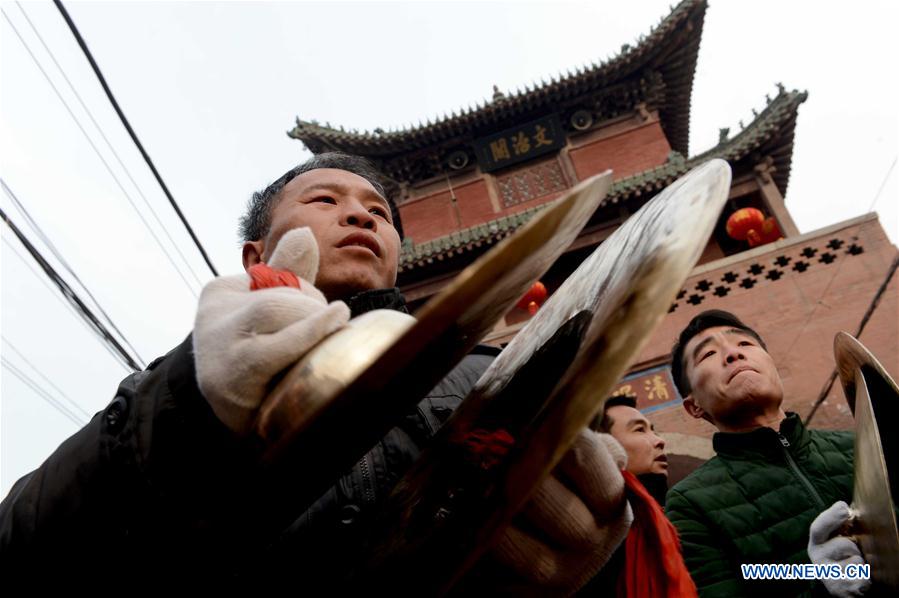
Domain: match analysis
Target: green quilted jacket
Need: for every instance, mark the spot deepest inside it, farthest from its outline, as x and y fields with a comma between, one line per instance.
x=754, y=502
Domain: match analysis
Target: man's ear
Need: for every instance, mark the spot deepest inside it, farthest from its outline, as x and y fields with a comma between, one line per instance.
x=252, y=253
x=692, y=407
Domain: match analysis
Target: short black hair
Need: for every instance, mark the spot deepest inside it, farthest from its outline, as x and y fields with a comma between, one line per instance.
x=707, y=319
x=602, y=422
x=255, y=223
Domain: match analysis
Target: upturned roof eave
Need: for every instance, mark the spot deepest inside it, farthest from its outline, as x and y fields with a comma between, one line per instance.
x=662, y=39
x=775, y=123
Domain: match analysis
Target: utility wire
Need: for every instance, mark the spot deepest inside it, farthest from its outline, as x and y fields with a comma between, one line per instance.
x=883, y=183
x=71, y=296
x=833, y=277
x=108, y=144
x=868, y=313
x=41, y=392
x=131, y=132
x=68, y=306
x=871, y=307
x=99, y=155
x=74, y=404
x=62, y=260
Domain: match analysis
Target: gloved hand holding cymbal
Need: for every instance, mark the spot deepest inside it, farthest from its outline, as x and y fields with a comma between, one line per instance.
x=569, y=529
x=244, y=337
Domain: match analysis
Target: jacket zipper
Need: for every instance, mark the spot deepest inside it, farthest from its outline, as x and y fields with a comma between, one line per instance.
x=367, y=491
x=795, y=467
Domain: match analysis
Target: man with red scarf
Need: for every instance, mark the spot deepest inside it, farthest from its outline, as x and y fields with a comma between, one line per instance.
x=649, y=562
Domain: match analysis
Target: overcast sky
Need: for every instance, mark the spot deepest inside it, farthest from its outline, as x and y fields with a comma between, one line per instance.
x=212, y=87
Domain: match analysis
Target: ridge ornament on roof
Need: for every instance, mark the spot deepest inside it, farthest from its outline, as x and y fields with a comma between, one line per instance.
x=771, y=133
x=657, y=71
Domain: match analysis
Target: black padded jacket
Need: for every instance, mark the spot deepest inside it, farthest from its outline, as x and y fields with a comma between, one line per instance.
x=155, y=488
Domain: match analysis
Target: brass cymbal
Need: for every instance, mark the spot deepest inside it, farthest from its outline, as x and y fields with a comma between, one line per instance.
x=543, y=390
x=327, y=412
x=875, y=523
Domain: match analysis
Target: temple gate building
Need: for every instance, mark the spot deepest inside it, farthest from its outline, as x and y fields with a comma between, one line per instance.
x=466, y=181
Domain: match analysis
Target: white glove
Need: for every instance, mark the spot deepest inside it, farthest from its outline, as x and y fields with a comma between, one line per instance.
x=586, y=523
x=243, y=338
x=826, y=550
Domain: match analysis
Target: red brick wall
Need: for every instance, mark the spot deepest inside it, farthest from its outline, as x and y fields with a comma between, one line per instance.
x=798, y=314
x=474, y=204
x=626, y=154
x=433, y=216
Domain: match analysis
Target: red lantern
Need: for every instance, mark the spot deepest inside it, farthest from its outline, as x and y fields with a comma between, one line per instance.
x=753, y=238
x=743, y=221
x=770, y=231
x=535, y=297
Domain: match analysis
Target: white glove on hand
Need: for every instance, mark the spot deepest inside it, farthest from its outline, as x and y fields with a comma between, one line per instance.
x=826, y=550
x=585, y=523
x=243, y=338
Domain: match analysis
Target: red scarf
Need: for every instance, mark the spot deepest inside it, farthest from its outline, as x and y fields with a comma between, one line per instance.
x=653, y=565
x=263, y=276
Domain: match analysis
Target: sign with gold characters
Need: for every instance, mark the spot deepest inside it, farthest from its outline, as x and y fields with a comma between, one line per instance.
x=520, y=143
x=653, y=388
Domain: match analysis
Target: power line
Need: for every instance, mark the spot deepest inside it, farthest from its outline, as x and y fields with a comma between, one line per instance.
x=55, y=295
x=62, y=260
x=74, y=404
x=883, y=184
x=868, y=313
x=871, y=307
x=131, y=132
x=41, y=392
x=108, y=144
x=71, y=296
x=99, y=155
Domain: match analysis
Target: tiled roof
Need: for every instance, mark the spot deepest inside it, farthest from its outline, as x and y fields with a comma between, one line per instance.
x=669, y=52
x=769, y=134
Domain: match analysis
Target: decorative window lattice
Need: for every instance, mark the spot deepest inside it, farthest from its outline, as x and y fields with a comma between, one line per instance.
x=766, y=273
x=531, y=183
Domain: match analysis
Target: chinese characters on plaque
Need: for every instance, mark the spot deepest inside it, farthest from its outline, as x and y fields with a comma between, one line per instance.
x=519, y=143
x=653, y=388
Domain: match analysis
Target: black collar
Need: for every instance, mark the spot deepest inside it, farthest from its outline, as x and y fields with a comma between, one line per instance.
x=656, y=484
x=762, y=441
x=366, y=301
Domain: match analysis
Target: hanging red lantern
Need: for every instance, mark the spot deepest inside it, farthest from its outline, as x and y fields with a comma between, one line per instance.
x=536, y=295
x=770, y=231
x=754, y=238
x=742, y=221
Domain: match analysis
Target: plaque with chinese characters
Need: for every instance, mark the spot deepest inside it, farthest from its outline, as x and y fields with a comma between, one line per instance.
x=520, y=143
x=653, y=388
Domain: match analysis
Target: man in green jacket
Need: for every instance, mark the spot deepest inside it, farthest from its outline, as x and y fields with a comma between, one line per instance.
x=771, y=482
